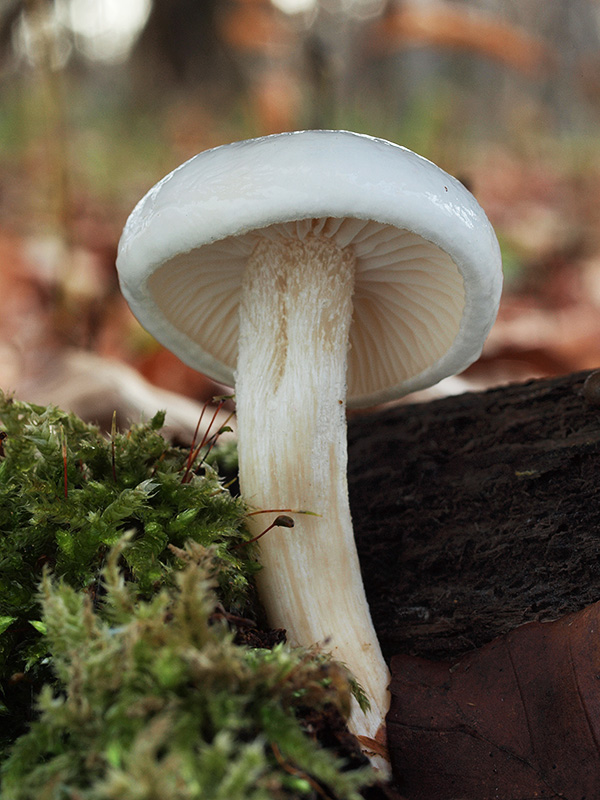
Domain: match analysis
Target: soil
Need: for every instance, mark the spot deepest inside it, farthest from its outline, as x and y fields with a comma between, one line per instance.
x=477, y=513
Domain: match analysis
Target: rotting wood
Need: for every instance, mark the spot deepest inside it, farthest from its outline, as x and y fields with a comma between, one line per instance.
x=477, y=513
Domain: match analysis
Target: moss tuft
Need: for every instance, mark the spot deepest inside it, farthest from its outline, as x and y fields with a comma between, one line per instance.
x=155, y=702
x=67, y=494
x=117, y=679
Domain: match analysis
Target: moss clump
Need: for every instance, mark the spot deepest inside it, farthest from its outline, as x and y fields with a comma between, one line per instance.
x=67, y=494
x=119, y=680
x=157, y=703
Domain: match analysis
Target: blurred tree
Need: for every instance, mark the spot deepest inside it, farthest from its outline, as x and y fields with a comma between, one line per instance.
x=460, y=27
x=181, y=46
x=267, y=49
x=10, y=12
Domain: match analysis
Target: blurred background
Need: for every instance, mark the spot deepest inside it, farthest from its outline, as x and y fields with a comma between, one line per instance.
x=101, y=98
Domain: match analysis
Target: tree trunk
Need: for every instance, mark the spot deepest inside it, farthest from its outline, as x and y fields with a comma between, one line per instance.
x=181, y=47
x=474, y=514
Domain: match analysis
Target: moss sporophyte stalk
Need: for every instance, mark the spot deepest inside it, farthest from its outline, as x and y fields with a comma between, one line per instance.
x=120, y=676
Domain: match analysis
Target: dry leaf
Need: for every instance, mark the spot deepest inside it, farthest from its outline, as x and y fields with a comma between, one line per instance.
x=517, y=719
x=94, y=388
x=442, y=24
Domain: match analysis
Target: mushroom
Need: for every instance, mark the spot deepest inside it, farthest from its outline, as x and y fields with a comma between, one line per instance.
x=309, y=268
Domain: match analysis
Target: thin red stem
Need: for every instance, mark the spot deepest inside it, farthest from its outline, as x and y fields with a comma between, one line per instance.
x=113, y=433
x=189, y=461
x=282, y=521
x=63, y=447
x=194, y=452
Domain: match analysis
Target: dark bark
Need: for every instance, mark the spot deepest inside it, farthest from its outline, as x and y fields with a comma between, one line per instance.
x=477, y=513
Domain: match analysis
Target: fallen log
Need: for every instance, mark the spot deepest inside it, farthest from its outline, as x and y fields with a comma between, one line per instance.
x=474, y=514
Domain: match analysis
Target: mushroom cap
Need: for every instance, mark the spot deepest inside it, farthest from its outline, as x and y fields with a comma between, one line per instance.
x=428, y=265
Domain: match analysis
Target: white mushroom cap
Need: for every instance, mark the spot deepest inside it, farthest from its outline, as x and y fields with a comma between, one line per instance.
x=428, y=267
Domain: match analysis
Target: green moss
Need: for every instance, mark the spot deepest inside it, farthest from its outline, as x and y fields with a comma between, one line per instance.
x=118, y=680
x=155, y=702
x=131, y=482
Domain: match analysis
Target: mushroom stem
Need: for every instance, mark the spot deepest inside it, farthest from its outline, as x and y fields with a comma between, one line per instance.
x=295, y=315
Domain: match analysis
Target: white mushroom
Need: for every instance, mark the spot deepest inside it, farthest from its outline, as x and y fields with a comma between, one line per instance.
x=312, y=267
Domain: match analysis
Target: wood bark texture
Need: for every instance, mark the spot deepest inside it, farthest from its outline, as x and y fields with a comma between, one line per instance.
x=477, y=513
